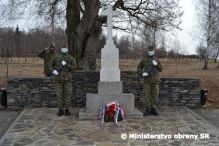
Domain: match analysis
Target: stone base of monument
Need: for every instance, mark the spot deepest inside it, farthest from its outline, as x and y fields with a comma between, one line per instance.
x=108, y=92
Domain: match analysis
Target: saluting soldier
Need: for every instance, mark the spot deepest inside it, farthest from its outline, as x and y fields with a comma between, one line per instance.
x=149, y=68
x=63, y=66
x=47, y=54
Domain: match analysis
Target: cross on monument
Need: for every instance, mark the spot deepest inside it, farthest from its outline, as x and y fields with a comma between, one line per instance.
x=109, y=54
x=109, y=13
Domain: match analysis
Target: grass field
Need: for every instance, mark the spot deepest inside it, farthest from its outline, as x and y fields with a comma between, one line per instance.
x=185, y=68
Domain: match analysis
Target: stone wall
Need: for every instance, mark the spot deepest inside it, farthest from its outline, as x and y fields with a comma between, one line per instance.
x=40, y=92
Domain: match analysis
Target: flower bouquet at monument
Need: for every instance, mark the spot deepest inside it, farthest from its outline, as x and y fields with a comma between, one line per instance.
x=112, y=112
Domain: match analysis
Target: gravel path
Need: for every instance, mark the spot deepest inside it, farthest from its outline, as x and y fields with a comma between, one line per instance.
x=41, y=127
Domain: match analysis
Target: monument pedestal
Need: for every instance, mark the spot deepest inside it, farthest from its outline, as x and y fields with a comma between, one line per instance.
x=108, y=92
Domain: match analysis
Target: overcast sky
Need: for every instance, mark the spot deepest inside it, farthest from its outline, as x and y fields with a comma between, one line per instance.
x=189, y=26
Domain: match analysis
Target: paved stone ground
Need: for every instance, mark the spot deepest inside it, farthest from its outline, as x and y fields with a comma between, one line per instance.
x=212, y=115
x=41, y=127
x=6, y=119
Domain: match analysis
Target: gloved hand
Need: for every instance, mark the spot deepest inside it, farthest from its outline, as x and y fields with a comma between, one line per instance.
x=154, y=62
x=64, y=63
x=145, y=74
x=47, y=48
x=55, y=72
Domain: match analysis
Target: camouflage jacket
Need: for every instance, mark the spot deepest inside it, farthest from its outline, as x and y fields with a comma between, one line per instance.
x=146, y=65
x=47, y=56
x=66, y=72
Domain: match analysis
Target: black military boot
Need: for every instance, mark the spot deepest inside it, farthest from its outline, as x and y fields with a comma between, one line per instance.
x=153, y=111
x=60, y=113
x=147, y=112
x=67, y=112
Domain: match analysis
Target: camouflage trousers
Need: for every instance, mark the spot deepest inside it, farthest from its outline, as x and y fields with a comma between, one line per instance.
x=64, y=90
x=151, y=93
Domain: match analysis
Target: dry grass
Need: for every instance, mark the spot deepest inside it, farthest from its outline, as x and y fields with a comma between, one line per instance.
x=186, y=68
x=31, y=68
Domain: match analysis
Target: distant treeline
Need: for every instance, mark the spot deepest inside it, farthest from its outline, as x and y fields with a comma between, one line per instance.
x=14, y=42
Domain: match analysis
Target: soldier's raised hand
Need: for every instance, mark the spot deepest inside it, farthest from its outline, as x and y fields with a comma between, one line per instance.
x=64, y=63
x=55, y=72
x=145, y=74
x=154, y=62
x=47, y=48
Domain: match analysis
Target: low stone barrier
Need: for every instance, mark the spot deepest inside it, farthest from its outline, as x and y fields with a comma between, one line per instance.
x=40, y=92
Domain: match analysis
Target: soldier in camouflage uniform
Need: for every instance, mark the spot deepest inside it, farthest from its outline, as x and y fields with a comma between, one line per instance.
x=149, y=69
x=63, y=66
x=47, y=54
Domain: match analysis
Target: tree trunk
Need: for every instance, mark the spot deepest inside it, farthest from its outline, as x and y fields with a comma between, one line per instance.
x=154, y=36
x=73, y=20
x=208, y=35
x=80, y=31
x=205, y=64
x=89, y=60
x=215, y=59
x=53, y=26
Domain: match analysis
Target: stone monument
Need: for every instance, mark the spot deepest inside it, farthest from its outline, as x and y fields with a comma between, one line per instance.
x=110, y=86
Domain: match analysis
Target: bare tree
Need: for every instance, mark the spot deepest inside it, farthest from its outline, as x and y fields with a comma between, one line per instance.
x=84, y=24
x=125, y=46
x=3, y=13
x=177, y=47
x=216, y=56
x=201, y=50
x=208, y=15
x=162, y=19
x=216, y=47
x=147, y=36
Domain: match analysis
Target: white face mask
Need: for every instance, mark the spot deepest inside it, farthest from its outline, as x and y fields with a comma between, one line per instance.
x=64, y=50
x=151, y=53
